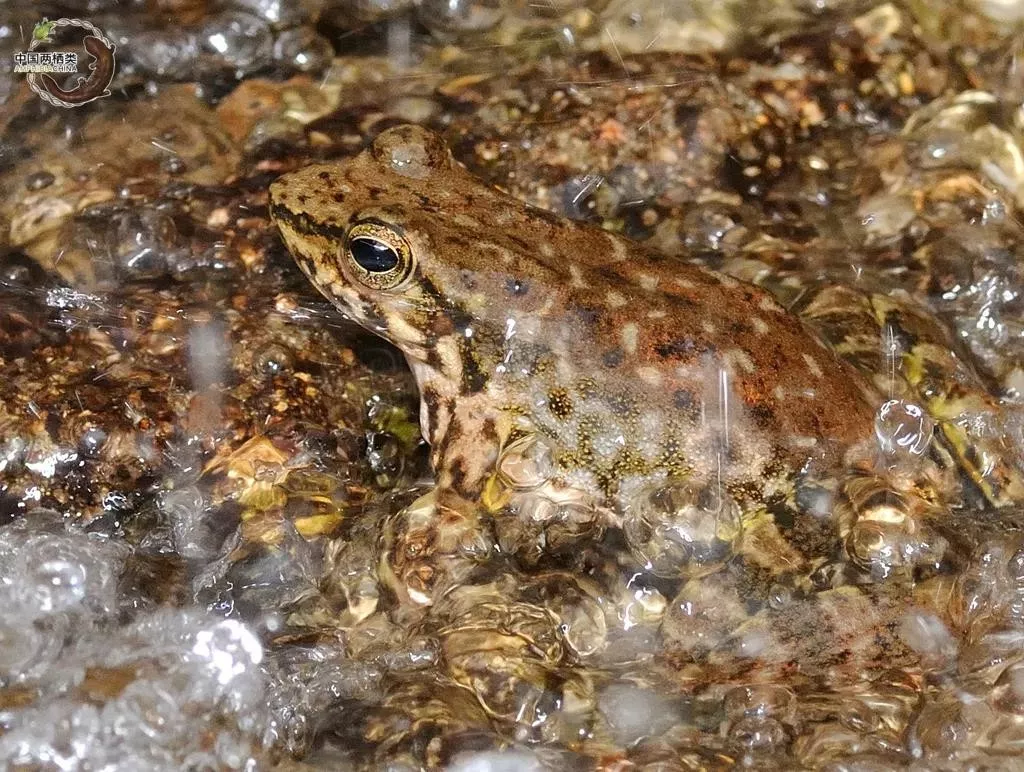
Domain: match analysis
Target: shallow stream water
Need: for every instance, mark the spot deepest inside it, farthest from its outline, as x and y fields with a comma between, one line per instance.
x=203, y=464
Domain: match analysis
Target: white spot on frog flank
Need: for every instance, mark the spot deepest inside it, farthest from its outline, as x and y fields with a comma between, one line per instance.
x=647, y=281
x=576, y=277
x=619, y=252
x=767, y=304
x=630, y=336
x=615, y=299
x=708, y=327
x=657, y=313
x=651, y=375
x=739, y=358
x=468, y=222
x=813, y=366
x=760, y=325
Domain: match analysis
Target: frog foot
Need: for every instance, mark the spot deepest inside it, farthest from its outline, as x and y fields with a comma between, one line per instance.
x=431, y=546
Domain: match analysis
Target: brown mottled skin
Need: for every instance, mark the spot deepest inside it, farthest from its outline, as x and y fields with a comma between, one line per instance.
x=631, y=368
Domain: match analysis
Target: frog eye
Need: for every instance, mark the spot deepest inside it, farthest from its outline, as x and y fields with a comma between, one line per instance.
x=379, y=255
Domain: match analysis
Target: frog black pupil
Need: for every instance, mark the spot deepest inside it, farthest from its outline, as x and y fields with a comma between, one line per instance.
x=372, y=255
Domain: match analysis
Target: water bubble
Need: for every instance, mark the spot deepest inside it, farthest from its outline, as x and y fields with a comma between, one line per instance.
x=641, y=605
x=756, y=715
x=384, y=455
x=885, y=217
x=1007, y=693
x=580, y=197
x=61, y=736
x=497, y=761
x=22, y=646
x=879, y=547
x=941, y=726
x=583, y=625
x=756, y=733
x=39, y=180
x=713, y=226
x=92, y=441
x=60, y=583
x=704, y=613
x=303, y=50
x=634, y=712
x=929, y=637
x=859, y=716
x=680, y=530
x=759, y=701
x=192, y=529
x=526, y=463
x=458, y=17
x=273, y=359
x=136, y=242
x=903, y=428
x=779, y=596
x=889, y=532
x=52, y=574
x=237, y=40
x=281, y=13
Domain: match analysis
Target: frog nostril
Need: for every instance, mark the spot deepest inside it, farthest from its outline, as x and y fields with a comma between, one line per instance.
x=372, y=255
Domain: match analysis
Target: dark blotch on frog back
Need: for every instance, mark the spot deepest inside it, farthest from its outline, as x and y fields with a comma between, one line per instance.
x=683, y=349
x=560, y=403
x=517, y=287
x=428, y=204
x=613, y=358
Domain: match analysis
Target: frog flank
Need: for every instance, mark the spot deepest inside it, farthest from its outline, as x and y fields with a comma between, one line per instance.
x=570, y=375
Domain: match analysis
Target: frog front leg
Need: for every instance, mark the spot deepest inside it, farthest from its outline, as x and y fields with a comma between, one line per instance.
x=435, y=542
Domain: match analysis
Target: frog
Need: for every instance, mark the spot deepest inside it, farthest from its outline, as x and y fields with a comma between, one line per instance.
x=563, y=368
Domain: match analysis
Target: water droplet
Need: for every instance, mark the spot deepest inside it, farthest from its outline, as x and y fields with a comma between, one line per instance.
x=240, y=41
x=903, y=428
x=929, y=637
x=679, y=530
x=889, y=531
x=39, y=180
x=526, y=463
x=634, y=712
x=757, y=715
x=456, y=17
x=704, y=613
x=1007, y=693
x=303, y=50
x=274, y=359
